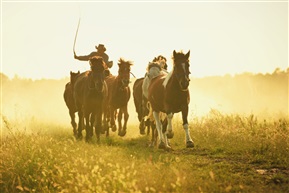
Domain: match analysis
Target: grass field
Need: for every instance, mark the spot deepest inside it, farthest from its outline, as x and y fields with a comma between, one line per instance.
x=232, y=153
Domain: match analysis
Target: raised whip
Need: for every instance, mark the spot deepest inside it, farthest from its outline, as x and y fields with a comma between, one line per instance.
x=76, y=36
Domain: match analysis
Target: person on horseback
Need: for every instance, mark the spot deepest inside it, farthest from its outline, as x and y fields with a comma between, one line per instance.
x=100, y=52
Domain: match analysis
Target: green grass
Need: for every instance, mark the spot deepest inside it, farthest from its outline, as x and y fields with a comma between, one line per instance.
x=232, y=153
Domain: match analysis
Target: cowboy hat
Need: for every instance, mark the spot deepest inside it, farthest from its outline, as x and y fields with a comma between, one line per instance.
x=100, y=47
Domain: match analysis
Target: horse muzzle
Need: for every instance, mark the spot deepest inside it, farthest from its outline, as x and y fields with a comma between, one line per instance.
x=125, y=82
x=184, y=84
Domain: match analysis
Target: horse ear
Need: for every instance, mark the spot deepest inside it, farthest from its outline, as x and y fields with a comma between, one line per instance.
x=70, y=72
x=78, y=72
x=174, y=53
x=188, y=54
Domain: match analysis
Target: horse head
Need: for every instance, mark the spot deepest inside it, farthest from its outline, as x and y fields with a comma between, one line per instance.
x=73, y=76
x=181, y=69
x=124, y=72
x=96, y=76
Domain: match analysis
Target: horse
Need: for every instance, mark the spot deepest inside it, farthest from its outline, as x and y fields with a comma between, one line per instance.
x=155, y=68
x=141, y=110
x=170, y=94
x=69, y=99
x=137, y=99
x=140, y=101
x=118, y=96
x=90, y=90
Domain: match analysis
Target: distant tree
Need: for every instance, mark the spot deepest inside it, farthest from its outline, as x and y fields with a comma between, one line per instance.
x=3, y=77
x=277, y=71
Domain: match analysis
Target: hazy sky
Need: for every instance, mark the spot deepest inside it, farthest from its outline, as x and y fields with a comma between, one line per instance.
x=223, y=37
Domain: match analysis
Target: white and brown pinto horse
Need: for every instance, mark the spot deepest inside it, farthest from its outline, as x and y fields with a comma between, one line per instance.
x=170, y=94
x=140, y=92
x=154, y=69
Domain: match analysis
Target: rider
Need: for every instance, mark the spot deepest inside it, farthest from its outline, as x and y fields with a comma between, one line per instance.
x=100, y=52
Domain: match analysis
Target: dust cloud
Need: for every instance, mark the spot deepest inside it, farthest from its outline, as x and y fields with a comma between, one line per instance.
x=265, y=95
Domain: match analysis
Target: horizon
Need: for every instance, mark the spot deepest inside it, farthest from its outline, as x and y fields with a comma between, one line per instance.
x=286, y=70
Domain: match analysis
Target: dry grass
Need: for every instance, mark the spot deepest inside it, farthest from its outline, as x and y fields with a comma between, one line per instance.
x=233, y=153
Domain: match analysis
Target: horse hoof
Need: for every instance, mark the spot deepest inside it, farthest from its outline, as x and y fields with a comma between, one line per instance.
x=190, y=144
x=122, y=134
x=170, y=134
x=141, y=126
x=162, y=145
x=113, y=128
x=169, y=148
x=102, y=131
x=142, y=132
x=79, y=136
x=87, y=139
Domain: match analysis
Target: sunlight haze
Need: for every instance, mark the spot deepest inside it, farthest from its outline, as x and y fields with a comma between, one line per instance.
x=223, y=37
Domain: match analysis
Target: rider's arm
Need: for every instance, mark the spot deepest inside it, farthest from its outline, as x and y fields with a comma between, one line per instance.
x=84, y=58
x=105, y=58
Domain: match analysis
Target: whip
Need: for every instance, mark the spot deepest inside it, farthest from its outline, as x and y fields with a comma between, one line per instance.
x=76, y=36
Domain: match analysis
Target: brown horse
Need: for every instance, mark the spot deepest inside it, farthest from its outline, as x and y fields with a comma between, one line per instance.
x=141, y=110
x=170, y=94
x=140, y=90
x=90, y=90
x=69, y=99
x=118, y=96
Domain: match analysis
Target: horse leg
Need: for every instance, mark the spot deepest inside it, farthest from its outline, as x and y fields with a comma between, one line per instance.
x=154, y=134
x=142, y=126
x=126, y=116
x=106, y=122
x=105, y=126
x=143, y=115
x=88, y=126
x=92, y=123
x=119, y=118
x=80, y=124
x=73, y=123
x=169, y=131
x=162, y=144
x=189, y=141
x=98, y=124
x=112, y=119
x=148, y=124
x=165, y=129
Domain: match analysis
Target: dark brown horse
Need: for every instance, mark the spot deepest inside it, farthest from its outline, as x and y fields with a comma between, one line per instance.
x=69, y=99
x=90, y=90
x=141, y=110
x=118, y=96
x=170, y=94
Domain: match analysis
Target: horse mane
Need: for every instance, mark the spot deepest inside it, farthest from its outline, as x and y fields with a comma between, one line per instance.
x=122, y=61
x=97, y=63
x=167, y=78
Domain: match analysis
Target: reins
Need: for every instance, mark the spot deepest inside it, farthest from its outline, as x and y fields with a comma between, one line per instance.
x=132, y=74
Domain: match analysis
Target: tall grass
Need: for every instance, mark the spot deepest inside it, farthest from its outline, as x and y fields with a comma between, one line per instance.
x=233, y=153
x=261, y=140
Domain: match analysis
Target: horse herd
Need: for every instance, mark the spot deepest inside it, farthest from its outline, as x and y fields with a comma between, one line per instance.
x=101, y=98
